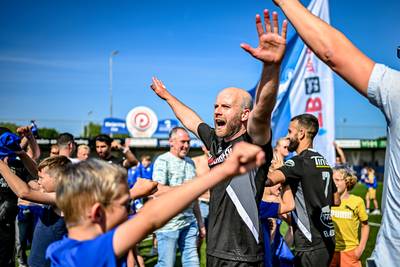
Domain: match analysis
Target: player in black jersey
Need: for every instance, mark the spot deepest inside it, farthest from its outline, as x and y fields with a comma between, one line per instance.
x=310, y=178
x=234, y=237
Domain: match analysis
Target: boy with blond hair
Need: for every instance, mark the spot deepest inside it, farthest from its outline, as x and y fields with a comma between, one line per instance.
x=94, y=197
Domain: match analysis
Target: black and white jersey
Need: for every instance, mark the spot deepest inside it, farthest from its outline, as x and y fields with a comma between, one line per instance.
x=310, y=178
x=234, y=228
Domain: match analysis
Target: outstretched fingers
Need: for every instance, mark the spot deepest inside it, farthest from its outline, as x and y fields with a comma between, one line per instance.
x=284, y=29
x=153, y=84
x=259, y=26
x=157, y=83
x=267, y=21
x=248, y=48
x=275, y=22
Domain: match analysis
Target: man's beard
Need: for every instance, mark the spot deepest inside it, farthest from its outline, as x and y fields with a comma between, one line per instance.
x=231, y=128
x=293, y=144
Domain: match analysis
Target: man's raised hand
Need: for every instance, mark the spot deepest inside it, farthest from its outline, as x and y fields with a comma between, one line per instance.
x=271, y=47
x=159, y=88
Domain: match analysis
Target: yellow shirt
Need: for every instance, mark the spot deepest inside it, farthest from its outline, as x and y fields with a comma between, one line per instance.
x=347, y=218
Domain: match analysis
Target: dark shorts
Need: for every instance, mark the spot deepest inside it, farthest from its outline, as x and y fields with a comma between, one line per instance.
x=219, y=262
x=7, y=243
x=318, y=257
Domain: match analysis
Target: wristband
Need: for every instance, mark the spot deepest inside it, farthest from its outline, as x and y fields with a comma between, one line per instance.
x=125, y=150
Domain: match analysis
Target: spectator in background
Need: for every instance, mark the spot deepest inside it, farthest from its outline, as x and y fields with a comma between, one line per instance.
x=173, y=169
x=372, y=183
x=26, y=221
x=364, y=173
x=50, y=226
x=19, y=162
x=9, y=150
x=67, y=146
x=104, y=144
x=276, y=201
x=281, y=148
x=28, y=211
x=341, y=160
x=347, y=218
x=54, y=150
x=83, y=152
x=143, y=170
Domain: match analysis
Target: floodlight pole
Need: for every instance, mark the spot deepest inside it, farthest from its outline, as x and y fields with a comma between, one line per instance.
x=110, y=79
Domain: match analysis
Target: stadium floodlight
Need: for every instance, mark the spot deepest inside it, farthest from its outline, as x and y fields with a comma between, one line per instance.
x=110, y=77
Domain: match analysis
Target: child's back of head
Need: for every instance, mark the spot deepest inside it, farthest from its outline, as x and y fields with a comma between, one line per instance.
x=92, y=195
x=88, y=182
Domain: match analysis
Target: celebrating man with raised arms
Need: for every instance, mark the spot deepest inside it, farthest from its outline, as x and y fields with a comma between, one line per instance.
x=234, y=231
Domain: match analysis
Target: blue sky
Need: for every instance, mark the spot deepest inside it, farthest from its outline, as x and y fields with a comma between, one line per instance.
x=54, y=57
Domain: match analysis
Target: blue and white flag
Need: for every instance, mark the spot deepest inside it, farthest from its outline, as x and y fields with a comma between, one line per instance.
x=306, y=86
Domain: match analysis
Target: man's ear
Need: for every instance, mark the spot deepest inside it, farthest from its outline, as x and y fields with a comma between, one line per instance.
x=245, y=114
x=170, y=141
x=302, y=133
x=71, y=146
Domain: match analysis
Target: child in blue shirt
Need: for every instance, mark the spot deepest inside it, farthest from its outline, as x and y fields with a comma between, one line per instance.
x=144, y=171
x=94, y=198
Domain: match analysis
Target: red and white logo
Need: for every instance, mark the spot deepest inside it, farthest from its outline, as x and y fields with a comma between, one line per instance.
x=141, y=122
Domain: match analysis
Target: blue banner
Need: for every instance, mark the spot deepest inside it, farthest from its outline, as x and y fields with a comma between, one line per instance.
x=114, y=126
x=165, y=126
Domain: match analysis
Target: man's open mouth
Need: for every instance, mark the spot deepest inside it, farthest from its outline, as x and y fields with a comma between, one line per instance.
x=220, y=123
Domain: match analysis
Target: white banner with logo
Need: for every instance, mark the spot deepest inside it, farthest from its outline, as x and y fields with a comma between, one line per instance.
x=306, y=86
x=141, y=122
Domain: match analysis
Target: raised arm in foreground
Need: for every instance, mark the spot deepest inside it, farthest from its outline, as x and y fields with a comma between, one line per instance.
x=330, y=45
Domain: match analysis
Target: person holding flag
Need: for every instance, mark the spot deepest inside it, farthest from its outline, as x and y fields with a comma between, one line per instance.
x=234, y=237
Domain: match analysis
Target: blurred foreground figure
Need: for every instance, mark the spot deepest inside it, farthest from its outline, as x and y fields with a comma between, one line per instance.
x=381, y=85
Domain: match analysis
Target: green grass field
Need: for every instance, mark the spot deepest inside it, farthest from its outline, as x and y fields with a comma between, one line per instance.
x=358, y=190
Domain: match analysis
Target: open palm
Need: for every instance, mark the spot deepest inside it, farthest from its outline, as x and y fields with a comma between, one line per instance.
x=271, y=47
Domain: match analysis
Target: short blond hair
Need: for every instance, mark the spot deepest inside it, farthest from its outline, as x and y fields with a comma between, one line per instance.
x=84, y=147
x=52, y=162
x=83, y=184
x=349, y=177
